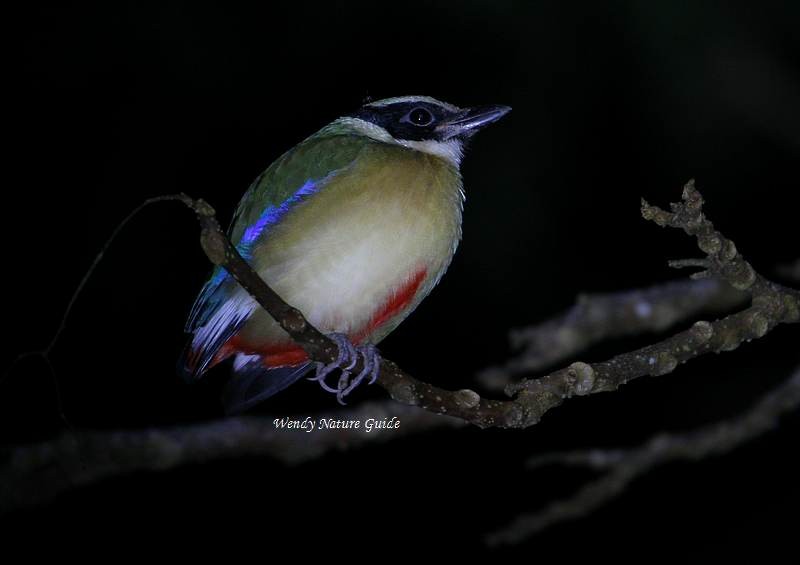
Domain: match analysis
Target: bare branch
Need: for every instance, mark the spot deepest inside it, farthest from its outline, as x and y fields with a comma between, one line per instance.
x=772, y=304
x=38, y=472
x=624, y=466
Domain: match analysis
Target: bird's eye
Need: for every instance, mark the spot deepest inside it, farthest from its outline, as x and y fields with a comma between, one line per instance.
x=420, y=117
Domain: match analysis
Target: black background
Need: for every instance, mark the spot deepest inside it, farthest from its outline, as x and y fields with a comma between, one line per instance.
x=116, y=102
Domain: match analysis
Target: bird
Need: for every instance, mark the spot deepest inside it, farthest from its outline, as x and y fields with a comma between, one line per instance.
x=354, y=226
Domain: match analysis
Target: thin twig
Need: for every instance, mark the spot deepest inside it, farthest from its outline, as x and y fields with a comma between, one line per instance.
x=45, y=352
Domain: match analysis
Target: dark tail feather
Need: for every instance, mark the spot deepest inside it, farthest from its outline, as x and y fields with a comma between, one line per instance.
x=186, y=367
x=252, y=383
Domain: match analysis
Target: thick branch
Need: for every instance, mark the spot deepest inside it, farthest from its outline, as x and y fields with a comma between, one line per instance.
x=772, y=304
x=38, y=472
x=34, y=474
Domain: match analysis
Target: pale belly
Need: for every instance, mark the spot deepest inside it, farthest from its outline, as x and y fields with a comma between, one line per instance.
x=341, y=265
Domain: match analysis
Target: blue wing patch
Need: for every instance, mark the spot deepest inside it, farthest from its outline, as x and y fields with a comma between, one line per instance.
x=210, y=319
x=271, y=216
x=218, y=287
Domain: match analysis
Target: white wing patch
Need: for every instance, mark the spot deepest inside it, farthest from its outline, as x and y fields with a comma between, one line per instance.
x=231, y=313
x=241, y=360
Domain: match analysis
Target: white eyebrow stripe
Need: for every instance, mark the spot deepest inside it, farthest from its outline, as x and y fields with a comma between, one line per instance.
x=401, y=99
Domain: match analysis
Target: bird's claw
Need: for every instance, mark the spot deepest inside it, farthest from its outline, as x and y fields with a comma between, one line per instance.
x=346, y=359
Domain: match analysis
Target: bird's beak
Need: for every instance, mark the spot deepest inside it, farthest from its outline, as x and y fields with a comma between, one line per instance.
x=470, y=120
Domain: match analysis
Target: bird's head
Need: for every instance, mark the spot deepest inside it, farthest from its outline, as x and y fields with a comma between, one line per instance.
x=423, y=124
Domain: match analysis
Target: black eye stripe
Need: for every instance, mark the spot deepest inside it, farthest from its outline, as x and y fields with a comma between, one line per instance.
x=397, y=119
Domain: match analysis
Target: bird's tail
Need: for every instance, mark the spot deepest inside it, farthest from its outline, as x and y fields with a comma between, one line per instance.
x=217, y=316
x=253, y=383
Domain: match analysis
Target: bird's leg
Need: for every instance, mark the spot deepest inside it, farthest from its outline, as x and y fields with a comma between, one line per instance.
x=346, y=359
x=372, y=366
x=347, y=352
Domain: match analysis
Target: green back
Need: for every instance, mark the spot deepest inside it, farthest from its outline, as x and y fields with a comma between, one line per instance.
x=320, y=156
x=329, y=150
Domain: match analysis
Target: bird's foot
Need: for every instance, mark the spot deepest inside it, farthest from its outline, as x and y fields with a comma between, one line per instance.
x=346, y=359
